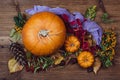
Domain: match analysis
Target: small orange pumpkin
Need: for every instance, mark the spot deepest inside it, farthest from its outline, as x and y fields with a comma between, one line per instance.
x=72, y=43
x=44, y=33
x=85, y=59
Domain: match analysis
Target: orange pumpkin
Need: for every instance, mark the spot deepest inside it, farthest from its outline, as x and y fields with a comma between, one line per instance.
x=43, y=33
x=72, y=44
x=85, y=59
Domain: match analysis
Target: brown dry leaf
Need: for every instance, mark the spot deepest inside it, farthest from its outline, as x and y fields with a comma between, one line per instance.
x=14, y=66
x=57, y=58
x=89, y=39
x=90, y=42
x=96, y=65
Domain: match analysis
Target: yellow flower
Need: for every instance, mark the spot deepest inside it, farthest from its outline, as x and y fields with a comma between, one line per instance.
x=18, y=29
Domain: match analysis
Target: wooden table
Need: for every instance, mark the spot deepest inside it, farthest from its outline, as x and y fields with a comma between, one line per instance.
x=71, y=72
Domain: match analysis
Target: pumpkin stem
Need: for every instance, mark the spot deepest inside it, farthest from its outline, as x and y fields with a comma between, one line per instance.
x=43, y=33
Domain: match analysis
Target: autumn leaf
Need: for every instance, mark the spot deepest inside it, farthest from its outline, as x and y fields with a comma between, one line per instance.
x=96, y=65
x=14, y=66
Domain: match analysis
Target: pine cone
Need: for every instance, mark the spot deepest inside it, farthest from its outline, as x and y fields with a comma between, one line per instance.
x=18, y=51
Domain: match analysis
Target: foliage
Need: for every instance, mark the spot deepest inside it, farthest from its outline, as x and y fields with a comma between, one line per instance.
x=15, y=33
x=79, y=48
x=105, y=18
x=38, y=63
x=91, y=13
x=14, y=66
x=107, y=51
x=19, y=20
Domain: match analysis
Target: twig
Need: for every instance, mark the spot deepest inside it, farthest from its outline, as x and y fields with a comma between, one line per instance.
x=16, y=4
x=101, y=5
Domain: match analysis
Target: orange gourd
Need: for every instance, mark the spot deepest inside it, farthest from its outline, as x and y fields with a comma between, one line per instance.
x=85, y=59
x=72, y=44
x=43, y=33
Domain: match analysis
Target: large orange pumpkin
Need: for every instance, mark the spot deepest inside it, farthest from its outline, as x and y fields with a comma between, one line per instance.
x=44, y=33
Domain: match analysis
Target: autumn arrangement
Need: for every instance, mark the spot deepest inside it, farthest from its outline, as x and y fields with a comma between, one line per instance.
x=53, y=37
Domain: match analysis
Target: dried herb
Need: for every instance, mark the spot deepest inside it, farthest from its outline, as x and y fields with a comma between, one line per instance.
x=47, y=61
x=108, y=40
x=36, y=63
x=107, y=52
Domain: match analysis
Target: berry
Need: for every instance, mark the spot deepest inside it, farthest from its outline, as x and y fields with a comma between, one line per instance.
x=90, y=69
x=73, y=61
x=62, y=63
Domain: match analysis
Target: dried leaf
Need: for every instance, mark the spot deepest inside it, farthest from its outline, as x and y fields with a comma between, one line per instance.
x=96, y=65
x=16, y=37
x=57, y=58
x=14, y=66
x=12, y=32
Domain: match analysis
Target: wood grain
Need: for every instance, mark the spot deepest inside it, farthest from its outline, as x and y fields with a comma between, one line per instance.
x=71, y=72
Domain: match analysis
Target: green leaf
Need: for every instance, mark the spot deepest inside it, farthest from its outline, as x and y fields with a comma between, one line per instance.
x=108, y=63
x=91, y=12
x=16, y=37
x=47, y=62
x=38, y=61
x=16, y=21
x=45, y=66
x=28, y=55
x=12, y=32
x=36, y=69
x=20, y=16
x=41, y=60
x=105, y=18
x=29, y=64
x=19, y=20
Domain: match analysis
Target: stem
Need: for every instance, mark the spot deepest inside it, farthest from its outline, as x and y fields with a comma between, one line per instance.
x=16, y=4
x=43, y=33
x=101, y=5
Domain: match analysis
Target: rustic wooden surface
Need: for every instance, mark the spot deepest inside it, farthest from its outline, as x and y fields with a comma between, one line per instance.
x=71, y=72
